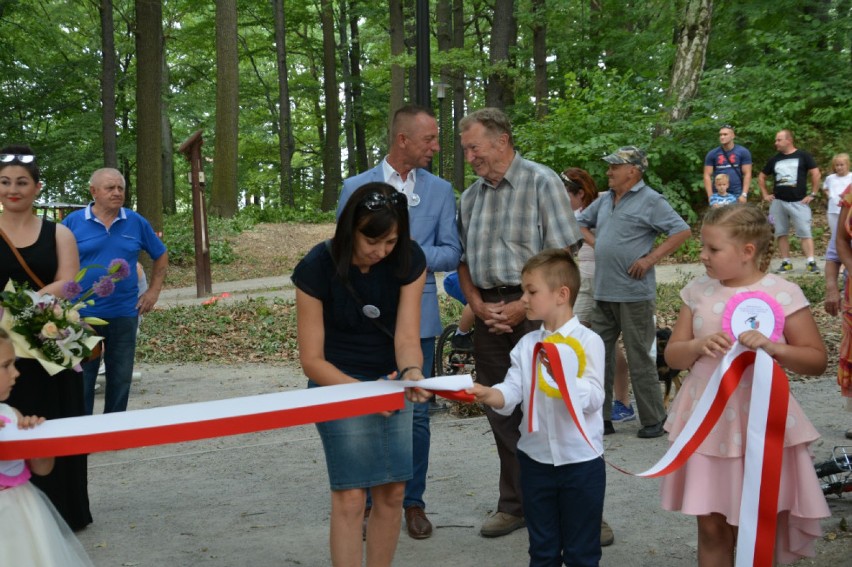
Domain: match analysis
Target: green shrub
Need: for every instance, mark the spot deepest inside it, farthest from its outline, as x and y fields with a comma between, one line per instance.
x=307, y=213
x=179, y=237
x=813, y=286
x=450, y=308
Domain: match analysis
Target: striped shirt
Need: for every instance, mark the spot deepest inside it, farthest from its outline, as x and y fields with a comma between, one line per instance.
x=504, y=226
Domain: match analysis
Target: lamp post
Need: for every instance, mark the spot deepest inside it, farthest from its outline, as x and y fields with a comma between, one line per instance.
x=441, y=93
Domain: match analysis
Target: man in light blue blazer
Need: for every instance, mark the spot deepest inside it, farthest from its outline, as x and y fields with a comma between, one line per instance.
x=432, y=210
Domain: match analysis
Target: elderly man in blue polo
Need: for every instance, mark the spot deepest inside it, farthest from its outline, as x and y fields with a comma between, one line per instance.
x=105, y=230
x=627, y=220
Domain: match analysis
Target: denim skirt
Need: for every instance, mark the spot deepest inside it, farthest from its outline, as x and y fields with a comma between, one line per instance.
x=369, y=450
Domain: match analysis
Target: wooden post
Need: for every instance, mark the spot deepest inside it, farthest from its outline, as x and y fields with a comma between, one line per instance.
x=191, y=148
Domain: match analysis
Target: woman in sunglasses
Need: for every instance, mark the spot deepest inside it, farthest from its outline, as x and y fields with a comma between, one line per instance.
x=50, y=253
x=358, y=312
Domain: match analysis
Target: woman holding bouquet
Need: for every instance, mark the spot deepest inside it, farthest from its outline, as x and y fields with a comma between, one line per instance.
x=43, y=255
x=358, y=314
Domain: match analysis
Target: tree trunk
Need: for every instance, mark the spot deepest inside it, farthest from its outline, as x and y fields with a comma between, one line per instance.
x=458, y=95
x=149, y=139
x=108, y=71
x=357, y=90
x=169, y=199
x=331, y=148
x=397, y=39
x=539, y=30
x=444, y=20
x=504, y=33
x=693, y=34
x=285, y=128
x=223, y=198
x=345, y=61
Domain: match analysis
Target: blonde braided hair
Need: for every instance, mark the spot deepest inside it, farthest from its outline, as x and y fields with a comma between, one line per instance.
x=746, y=224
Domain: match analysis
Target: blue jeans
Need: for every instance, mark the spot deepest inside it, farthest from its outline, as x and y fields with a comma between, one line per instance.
x=118, y=353
x=415, y=487
x=563, y=506
x=421, y=437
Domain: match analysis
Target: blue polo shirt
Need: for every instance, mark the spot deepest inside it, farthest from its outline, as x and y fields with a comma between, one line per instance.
x=624, y=233
x=98, y=246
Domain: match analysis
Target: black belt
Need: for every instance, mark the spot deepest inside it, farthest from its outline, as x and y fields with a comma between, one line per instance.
x=501, y=291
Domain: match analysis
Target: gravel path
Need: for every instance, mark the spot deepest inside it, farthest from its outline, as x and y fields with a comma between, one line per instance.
x=262, y=499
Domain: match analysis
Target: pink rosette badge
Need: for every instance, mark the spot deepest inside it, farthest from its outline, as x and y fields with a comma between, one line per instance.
x=753, y=311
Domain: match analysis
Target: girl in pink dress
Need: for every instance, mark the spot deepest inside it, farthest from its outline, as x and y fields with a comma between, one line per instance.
x=736, y=249
x=32, y=532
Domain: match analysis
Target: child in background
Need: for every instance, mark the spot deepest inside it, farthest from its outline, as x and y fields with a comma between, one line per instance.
x=562, y=476
x=720, y=196
x=462, y=341
x=834, y=186
x=736, y=252
x=32, y=532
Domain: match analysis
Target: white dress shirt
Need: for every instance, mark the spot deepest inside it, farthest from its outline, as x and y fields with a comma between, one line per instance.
x=557, y=441
x=394, y=179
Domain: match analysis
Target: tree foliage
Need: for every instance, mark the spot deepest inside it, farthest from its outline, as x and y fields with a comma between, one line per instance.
x=606, y=82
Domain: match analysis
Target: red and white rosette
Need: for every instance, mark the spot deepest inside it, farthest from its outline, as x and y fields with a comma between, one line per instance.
x=766, y=424
x=568, y=362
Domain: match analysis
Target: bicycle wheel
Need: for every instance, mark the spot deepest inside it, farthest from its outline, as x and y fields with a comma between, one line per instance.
x=443, y=351
x=448, y=360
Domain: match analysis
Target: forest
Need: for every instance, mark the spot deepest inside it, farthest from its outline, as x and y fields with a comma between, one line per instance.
x=294, y=96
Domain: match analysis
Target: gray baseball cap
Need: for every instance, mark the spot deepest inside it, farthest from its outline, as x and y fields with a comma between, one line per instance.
x=628, y=154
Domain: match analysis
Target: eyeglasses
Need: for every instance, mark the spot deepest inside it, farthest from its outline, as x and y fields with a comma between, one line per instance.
x=376, y=201
x=23, y=158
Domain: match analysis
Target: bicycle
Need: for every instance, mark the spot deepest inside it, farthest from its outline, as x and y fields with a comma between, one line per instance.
x=448, y=359
x=835, y=474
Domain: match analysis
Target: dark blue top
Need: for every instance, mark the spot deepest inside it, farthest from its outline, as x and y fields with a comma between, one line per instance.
x=353, y=343
x=731, y=164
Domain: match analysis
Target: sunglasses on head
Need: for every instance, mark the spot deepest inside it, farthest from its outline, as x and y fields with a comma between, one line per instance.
x=375, y=201
x=570, y=183
x=22, y=158
x=728, y=126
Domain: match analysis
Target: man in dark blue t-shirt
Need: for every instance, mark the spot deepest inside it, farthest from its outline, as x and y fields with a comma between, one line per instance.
x=790, y=200
x=731, y=159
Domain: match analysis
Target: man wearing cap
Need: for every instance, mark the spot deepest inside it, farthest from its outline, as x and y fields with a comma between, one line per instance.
x=627, y=220
x=514, y=210
x=731, y=159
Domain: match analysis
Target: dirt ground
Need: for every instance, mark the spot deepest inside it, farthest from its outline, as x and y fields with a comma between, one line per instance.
x=262, y=499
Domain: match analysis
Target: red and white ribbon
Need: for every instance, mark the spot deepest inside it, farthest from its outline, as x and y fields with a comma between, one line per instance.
x=568, y=386
x=764, y=444
x=202, y=420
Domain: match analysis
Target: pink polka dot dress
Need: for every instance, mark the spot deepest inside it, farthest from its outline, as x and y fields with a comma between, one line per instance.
x=711, y=481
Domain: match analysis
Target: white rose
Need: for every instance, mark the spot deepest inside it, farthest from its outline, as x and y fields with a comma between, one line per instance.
x=50, y=330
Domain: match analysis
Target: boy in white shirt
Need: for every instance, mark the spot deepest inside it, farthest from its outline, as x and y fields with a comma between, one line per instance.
x=562, y=477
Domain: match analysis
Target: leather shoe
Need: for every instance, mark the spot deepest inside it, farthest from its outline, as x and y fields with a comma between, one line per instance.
x=364, y=524
x=651, y=431
x=501, y=524
x=607, y=537
x=419, y=526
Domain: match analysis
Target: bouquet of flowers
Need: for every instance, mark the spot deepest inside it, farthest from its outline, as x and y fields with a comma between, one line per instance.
x=50, y=329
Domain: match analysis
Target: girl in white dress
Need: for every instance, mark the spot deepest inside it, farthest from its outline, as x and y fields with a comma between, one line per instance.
x=32, y=532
